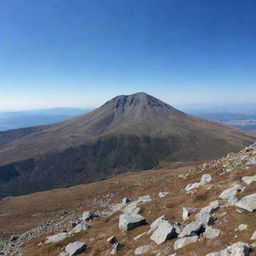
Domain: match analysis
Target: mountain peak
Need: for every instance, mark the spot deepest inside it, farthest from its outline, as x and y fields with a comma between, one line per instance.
x=137, y=100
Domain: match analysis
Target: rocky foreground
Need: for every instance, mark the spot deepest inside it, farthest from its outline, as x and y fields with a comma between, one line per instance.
x=206, y=210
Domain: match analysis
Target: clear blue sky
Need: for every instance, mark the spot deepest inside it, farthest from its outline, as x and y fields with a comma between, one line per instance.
x=83, y=52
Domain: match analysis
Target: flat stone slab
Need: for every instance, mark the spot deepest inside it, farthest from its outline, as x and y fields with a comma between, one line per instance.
x=75, y=248
x=56, y=238
x=247, y=203
x=165, y=231
x=181, y=242
x=142, y=249
x=128, y=221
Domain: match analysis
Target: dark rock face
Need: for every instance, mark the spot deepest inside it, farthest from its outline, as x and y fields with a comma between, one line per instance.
x=128, y=133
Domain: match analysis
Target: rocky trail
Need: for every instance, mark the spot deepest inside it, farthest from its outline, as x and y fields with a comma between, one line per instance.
x=204, y=210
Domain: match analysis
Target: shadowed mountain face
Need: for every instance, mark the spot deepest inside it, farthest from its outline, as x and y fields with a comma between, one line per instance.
x=128, y=133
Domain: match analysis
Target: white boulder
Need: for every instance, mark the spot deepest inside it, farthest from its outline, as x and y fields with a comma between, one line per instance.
x=128, y=221
x=165, y=231
x=247, y=203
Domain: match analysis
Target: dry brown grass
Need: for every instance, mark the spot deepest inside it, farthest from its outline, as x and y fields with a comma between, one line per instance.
x=32, y=209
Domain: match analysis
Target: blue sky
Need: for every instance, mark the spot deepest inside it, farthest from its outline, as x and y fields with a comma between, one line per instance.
x=81, y=53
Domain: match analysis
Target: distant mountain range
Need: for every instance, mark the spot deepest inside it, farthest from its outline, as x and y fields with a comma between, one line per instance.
x=128, y=133
x=21, y=119
x=242, y=116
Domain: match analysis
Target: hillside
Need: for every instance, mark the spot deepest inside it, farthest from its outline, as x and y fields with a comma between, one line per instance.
x=128, y=133
x=211, y=207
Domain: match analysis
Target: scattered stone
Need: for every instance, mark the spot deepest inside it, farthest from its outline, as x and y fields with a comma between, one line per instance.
x=204, y=216
x=249, y=179
x=230, y=192
x=181, y=242
x=64, y=254
x=242, y=227
x=154, y=225
x=142, y=249
x=115, y=248
x=132, y=208
x=252, y=161
x=80, y=227
x=56, y=238
x=165, y=231
x=237, y=249
x=253, y=236
x=126, y=200
x=139, y=236
x=144, y=199
x=247, y=203
x=112, y=240
x=163, y=194
x=211, y=233
x=193, y=228
x=204, y=179
x=88, y=216
x=14, y=238
x=130, y=221
x=187, y=212
x=75, y=248
x=75, y=222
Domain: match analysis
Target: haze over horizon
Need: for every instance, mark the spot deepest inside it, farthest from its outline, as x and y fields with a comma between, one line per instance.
x=82, y=53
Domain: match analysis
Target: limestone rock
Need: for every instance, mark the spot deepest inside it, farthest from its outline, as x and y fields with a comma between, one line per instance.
x=181, y=242
x=247, y=203
x=230, y=192
x=193, y=228
x=211, y=233
x=143, y=199
x=242, y=227
x=139, y=236
x=130, y=221
x=115, y=248
x=204, y=179
x=142, y=249
x=253, y=236
x=132, y=208
x=249, y=179
x=88, y=216
x=154, y=225
x=112, y=240
x=237, y=249
x=80, y=227
x=163, y=194
x=75, y=248
x=165, y=231
x=56, y=238
x=187, y=211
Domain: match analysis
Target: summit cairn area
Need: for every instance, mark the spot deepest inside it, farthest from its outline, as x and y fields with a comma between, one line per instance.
x=126, y=216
